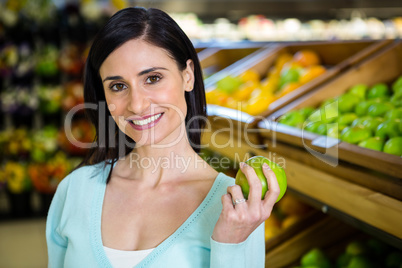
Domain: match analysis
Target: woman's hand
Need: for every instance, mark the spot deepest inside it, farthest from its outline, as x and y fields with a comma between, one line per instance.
x=238, y=221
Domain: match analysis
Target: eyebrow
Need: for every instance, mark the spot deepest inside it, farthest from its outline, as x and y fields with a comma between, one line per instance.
x=112, y=78
x=116, y=77
x=150, y=70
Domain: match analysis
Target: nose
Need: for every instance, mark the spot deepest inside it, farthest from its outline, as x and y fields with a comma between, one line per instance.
x=139, y=102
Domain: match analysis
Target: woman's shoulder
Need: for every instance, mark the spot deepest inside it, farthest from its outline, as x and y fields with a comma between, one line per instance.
x=84, y=175
x=222, y=182
x=225, y=180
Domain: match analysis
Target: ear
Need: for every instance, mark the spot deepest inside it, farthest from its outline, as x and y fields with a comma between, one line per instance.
x=188, y=76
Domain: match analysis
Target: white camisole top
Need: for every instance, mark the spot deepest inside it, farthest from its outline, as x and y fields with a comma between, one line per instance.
x=125, y=259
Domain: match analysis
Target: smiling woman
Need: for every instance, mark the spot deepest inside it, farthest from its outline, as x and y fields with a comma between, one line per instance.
x=144, y=197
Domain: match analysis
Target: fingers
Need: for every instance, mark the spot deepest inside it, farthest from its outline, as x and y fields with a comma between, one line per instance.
x=236, y=194
x=227, y=202
x=273, y=188
x=254, y=182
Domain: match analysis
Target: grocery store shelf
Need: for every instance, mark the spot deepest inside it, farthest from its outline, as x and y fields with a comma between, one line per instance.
x=350, y=220
x=321, y=9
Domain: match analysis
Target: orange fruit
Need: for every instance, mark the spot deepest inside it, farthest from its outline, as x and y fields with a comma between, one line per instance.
x=270, y=84
x=290, y=205
x=231, y=103
x=289, y=87
x=290, y=220
x=306, y=58
x=311, y=73
x=290, y=65
x=274, y=73
x=216, y=97
x=272, y=227
x=282, y=59
x=258, y=102
x=245, y=90
x=250, y=75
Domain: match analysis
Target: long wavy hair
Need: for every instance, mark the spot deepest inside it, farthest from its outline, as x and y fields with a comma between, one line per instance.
x=159, y=29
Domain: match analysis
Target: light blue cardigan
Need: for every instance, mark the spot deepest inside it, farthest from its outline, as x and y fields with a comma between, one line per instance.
x=73, y=229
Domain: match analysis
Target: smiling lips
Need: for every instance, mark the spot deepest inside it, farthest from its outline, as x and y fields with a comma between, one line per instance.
x=145, y=123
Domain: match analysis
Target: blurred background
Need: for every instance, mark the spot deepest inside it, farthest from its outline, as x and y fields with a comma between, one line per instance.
x=43, y=47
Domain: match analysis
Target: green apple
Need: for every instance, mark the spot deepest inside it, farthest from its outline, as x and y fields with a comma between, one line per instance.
x=369, y=122
x=394, y=259
x=343, y=260
x=377, y=248
x=396, y=100
x=359, y=90
x=312, y=126
x=256, y=162
x=306, y=111
x=315, y=258
x=394, y=114
x=347, y=119
x=229, y=84
x=373, y=143
x=399, y=125
x=335, y=131
x=393, y=146
x=292, y=118
x=397, y=85
x=288, y=76
x=388, y=129
x=315, y=116
x=326, y=114
x=359, y=121
x=356, y=247
x=362, y=107
x=329, y=101
x=322, y=129
x=379, y=109
x=355, y=134
x=360, y=261
x=373, y=123
x=347, y=103
x=378, y=90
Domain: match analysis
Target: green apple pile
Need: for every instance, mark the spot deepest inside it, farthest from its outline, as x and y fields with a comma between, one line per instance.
x=368, y=116
x=363, y=253
x=315, y=258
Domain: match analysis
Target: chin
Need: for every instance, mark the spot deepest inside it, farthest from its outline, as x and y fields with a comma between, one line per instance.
x=160, y=139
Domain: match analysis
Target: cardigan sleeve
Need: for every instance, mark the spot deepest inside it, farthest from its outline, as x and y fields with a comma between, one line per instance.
x=249, y=253
x=56, y=243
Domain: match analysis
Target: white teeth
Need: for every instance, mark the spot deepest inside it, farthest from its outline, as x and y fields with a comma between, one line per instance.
x=146, y=121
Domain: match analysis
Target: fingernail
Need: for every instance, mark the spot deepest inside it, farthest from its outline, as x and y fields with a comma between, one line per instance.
x=242, y=164
x=266, y=166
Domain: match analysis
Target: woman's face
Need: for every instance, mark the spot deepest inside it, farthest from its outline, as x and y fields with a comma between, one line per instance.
x=144, y=90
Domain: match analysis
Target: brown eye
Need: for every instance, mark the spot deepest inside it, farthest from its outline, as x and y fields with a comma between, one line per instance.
x=153, y=79
x=118, y=87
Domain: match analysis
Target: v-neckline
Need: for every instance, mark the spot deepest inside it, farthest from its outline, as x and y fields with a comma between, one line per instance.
x=96, y=220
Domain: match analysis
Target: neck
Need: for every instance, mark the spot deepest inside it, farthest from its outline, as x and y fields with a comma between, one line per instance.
x=154, y=164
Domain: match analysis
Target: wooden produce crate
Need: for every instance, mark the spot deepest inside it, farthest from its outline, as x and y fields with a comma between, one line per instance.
x=336, y=56
x=286, y=232
x=199, y=49
x=373, y=169
x=326, y=233
x=216, y=58
x=362, y=207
